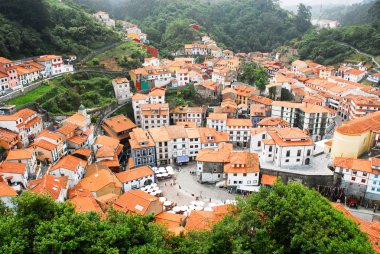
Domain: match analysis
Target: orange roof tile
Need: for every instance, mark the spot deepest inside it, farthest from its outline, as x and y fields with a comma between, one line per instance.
x=248, y=163
x=99, y=180
x=239, y=122
x=69, y=162
x=20, y=154
x=135, y=201
x=119, y=123
x=44, y=145
x=86, y=204
x=49, y=185
x=6, y=190
x=360, y=125
x=353, y=164
x=12, y=167
x=134, y=174
x=268, y=179
x=67, y=129
x=171, y=221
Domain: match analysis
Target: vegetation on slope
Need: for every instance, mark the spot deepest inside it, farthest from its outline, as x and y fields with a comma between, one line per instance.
x=324, y=47
x=245, y=25
x=287, y=219
x=64, y=95
x=126, y=56
x=30, y=28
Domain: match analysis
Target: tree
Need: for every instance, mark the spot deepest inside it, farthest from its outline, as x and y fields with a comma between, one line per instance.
x=285, y=219
x=303, y=17
x=254, y=75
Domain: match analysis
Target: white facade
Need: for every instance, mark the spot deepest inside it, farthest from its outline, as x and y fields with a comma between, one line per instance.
x=73, y=175
x=138, y=183
x=122, y=90
x=245, y=179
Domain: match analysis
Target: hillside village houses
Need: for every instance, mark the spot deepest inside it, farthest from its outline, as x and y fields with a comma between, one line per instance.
x=242, y=141
x=104, y=17
x=16, y=74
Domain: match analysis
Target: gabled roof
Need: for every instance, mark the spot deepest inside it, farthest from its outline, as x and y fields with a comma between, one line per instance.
x=135, y=201
x=119, y=123
x=86, y=204
x=20, y=154
x=12, y=168
x=69, y=162
x=6, y=190
x=204, y=220
x=99, y=180
x=49, y=185
x=360, y=125
x=134, y=174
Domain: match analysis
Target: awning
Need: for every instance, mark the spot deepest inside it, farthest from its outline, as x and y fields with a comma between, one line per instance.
x=268, y=179
x=182, y=159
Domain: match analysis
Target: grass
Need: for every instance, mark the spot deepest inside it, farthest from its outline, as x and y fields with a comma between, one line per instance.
x=357, y=58
x=111, y=58
x=30, y=97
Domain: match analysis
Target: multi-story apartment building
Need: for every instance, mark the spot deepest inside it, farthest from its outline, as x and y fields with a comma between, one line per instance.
x=118, y=127
x=239, y=130
x=154, y=115
x=187, y=114
x=142, y=148
x=218, y=121
x=313, y=118
x=156, y=96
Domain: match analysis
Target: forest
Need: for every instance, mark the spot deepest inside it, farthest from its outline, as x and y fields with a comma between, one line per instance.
x=286, y=219
x=31, y=28
x=243, y=26
x=323, y=46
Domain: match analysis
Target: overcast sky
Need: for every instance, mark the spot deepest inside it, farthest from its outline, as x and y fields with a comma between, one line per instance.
x=317, y=2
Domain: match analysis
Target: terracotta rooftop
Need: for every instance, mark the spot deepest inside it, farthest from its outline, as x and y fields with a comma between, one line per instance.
x=49, y=185
x=134, y=174
x=135, y=201
x=360, y=125
x=119, y=123
x=69, y=162
x=248, y=163
x=12, y=167
x=20, y=154
x=6, y=190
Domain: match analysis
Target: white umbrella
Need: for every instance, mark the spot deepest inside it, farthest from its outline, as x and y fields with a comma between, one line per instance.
x=184, y=208
x=156, y=188
x=212, y=204
x=208, y=209
x=170, y=212
x=200, y=203
x=158, y=191
x=198, y=208
x=162, y=169
x=162, y=199
x=159, y=175
x=194, y=202
x=168, y=203
x=148, y=187
x=153, y=193
x=154, y=185
x=143, y=188
x=192, y=207
x=165, y=175
x=176, y=209
x=170, y=173
x=154, y=168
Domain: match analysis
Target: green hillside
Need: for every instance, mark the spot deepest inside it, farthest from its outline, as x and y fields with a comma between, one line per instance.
x=30, y=28
x=244, y=25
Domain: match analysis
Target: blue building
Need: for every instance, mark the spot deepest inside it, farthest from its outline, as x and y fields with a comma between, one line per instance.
x=258, y=113
x=143, y=150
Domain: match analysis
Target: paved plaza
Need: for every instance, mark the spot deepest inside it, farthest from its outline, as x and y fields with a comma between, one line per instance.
x=184, y=188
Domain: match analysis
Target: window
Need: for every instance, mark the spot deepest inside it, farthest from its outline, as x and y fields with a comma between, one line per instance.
x=240, y=182
x=298, y=160
x=299, y=153
x=270, y=148
x=353, y=178
x=373, y=189
x=308, y=152
x=248, y=182
x=263, y=136
x=354, y=172
x=363, y=180
x=287, y=154
x=244, y=174
x=235, y=174
x=235, y=182
x=286, y=160
x=376, y=176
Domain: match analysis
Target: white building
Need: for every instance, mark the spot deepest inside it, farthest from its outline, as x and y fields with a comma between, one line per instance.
x=218, y=121
x=25, y=122
x=152, y=61
x=360, y=177
x=156, y=96
x=70, y=166
x=6, y=194
x=286, y=147
x=154, y=115
x=136, y=178
x=122, y=90
x=25, y=156
x=239, y=131
x=53, y=65
x=182, y=77
x=104, y=18
x=15, y=174
x=243, y=170
x=187, y=114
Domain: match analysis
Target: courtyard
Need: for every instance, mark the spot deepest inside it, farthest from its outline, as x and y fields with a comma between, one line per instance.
x=184, y=188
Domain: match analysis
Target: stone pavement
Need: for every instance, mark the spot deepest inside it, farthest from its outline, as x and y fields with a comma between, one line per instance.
x=186, y=189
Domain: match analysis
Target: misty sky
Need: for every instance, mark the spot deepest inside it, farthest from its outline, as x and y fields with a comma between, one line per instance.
x=318, y=2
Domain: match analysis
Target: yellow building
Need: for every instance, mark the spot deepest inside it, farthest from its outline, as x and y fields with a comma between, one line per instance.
x=233, y=64
x=355, y=137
